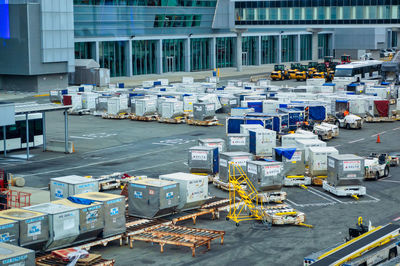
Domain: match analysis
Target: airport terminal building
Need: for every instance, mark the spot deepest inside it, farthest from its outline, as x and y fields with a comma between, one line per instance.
x=41, y=39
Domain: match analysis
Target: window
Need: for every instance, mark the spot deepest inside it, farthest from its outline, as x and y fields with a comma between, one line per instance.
x=176, y=21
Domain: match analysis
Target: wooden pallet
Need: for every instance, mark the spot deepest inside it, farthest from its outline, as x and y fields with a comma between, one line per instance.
x=148, y=118
x=222, y=185
x=211, y=177
x=206, y=123
x=370, y=119
x=92, y=260
x=116, y=117
x=101, y=242
x=178, y=236
x=177, y=120
x=194, y=215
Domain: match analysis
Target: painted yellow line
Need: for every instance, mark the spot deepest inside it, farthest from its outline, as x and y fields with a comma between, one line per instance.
x=42, y=95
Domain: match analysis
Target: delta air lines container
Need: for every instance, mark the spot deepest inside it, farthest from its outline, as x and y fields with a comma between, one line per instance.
x=262, y=141
x=203, y=159
x=114, y=211
x=239, y=158
x=151, y=198
x=145, y=106
x=219, y=143
x=33, y=227
x=238, y=142
x=193, y=189
x=65, y=186
x=293, y=160
x=345, y=170
x=265, y=175
x=306, y=144
x=318, y=160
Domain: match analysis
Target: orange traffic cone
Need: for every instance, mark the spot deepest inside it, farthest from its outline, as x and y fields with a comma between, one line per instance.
x=378, y=139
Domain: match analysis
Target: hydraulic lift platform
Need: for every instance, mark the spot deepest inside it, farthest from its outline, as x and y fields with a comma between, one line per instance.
x=359, y=245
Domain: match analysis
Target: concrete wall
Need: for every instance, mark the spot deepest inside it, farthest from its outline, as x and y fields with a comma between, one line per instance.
x=39, y=84
x=361, y=39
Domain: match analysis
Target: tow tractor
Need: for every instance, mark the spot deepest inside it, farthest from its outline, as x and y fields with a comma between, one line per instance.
x=279, y=72
x=376, y=167
x=312, y=67
x=366, y=245
x=320, y=73
x=291, y=73
x=323, y=132
x=348, y=121
x=302, y=73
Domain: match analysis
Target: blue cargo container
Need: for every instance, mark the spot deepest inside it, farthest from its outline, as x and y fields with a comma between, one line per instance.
x=266, y=122
x=280, y=122
x=257, y=105
x=296, y=116
x=233, y=124
x=317, y=113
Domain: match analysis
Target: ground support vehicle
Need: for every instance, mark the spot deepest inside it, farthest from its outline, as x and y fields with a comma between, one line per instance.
x=302, y=73
x=312, y=67
x=291, y=73
x=345, y=59
x=323, y=132
x=375, y=168
x=367, y=246
x=271, y=196
x=293, y=181
x=279, y=72
x=320, y=73
x=335, y=129
x=344, y=191
x=394, y=158
x=349, y=121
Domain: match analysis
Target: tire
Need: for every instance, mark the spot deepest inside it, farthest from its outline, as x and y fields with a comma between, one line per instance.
x=377, y=176
x=347, y=126
x=237, y=224
x=392, y=254
x=227, y=218
x=386, y=171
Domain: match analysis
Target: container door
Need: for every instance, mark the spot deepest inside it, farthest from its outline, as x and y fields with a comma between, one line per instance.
x=252, y=141
x=215, y=161
x=233, y=125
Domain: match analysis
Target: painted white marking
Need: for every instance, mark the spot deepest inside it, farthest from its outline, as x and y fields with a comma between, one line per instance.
x=396, y=219
x=326, y=195
x=153, y=166
x=78, y=137
x=391, y=181
x=44, y=188
x=357, y=140
x=319, y=195
x=397, y=128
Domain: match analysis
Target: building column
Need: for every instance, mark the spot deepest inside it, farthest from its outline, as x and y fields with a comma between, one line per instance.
x=279, y=53
x=187, y=55
x=129, y=71
x=159, y=57
x=97, y=52
x=298, y=48
x=213, y=53
x=258, y=50
x=314, y=43
x=239, y=51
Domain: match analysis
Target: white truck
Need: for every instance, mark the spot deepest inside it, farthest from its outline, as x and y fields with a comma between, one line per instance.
x=374, y=169
x=323, y=132
x=349, y=121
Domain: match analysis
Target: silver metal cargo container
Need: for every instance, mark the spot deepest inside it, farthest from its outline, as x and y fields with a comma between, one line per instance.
x=345, y=170
x=9, y=231
x=33, y=227
x=238, y=142
x=240, y=158
x=16, y=256
x=306, y=144
x=293, y=160
x=203, y=159
x=203, y=111
x=228, y=102
x=145, y=107
x=193, y=189
x=65, y=186
x=265, y=175
x=114, y=211
x=102, y=103
x=245, y=128
x=262, y=141
x=318, y=160
x=289, y=140
x=171, y=109
x=219, y=143
x=151, y=198
x=91, y=219
x=63, y=224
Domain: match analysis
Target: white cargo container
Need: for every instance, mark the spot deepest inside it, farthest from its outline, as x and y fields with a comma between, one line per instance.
x=145, y=107
x=188, y=102
x=318, y=160
x=214, y=142
x=187, y=80
x=89, y=100
x=241, y=111
x=171, y=109
x=113, y=106
x=381, y=92
x=270, y=106
x=193, y=189
x=306, y=144
x=289, y=140
x=66, y=186
x=245, y=128
x=262, y=141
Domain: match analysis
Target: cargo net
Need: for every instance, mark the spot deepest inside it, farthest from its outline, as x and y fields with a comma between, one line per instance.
x=14, y=199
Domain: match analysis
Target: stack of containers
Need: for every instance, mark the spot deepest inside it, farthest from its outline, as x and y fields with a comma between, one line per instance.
x=16, y=256
x=262, y=141
x=226, y=158
x=245, y=128
x=203, y=159
x=151, y=198
x=238, y=142
x=33, y=227
x=114, y=211
x=193, y=189
x=63, y=224
x=66, y=186
x=307, y=143
x=289, y=140
x=219, y=143
x=91, y=218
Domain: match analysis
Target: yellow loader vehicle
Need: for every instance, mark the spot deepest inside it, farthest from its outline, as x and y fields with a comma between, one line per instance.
x=302, y=73
x=291, y=73
x=279, y=72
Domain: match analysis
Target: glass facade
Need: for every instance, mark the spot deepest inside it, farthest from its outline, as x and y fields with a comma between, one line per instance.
x=305, y=47
x=324, y=45
x=269, y=49
x=200, y=51
x=394, y=39
x=166, y=21
x=113, y=56
x=249, y=51
x=84, y=50
x=294, y=12
x=225, y=49
x=144, y=57
x=288, y=52
x=173, y=55
x=196, y=3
